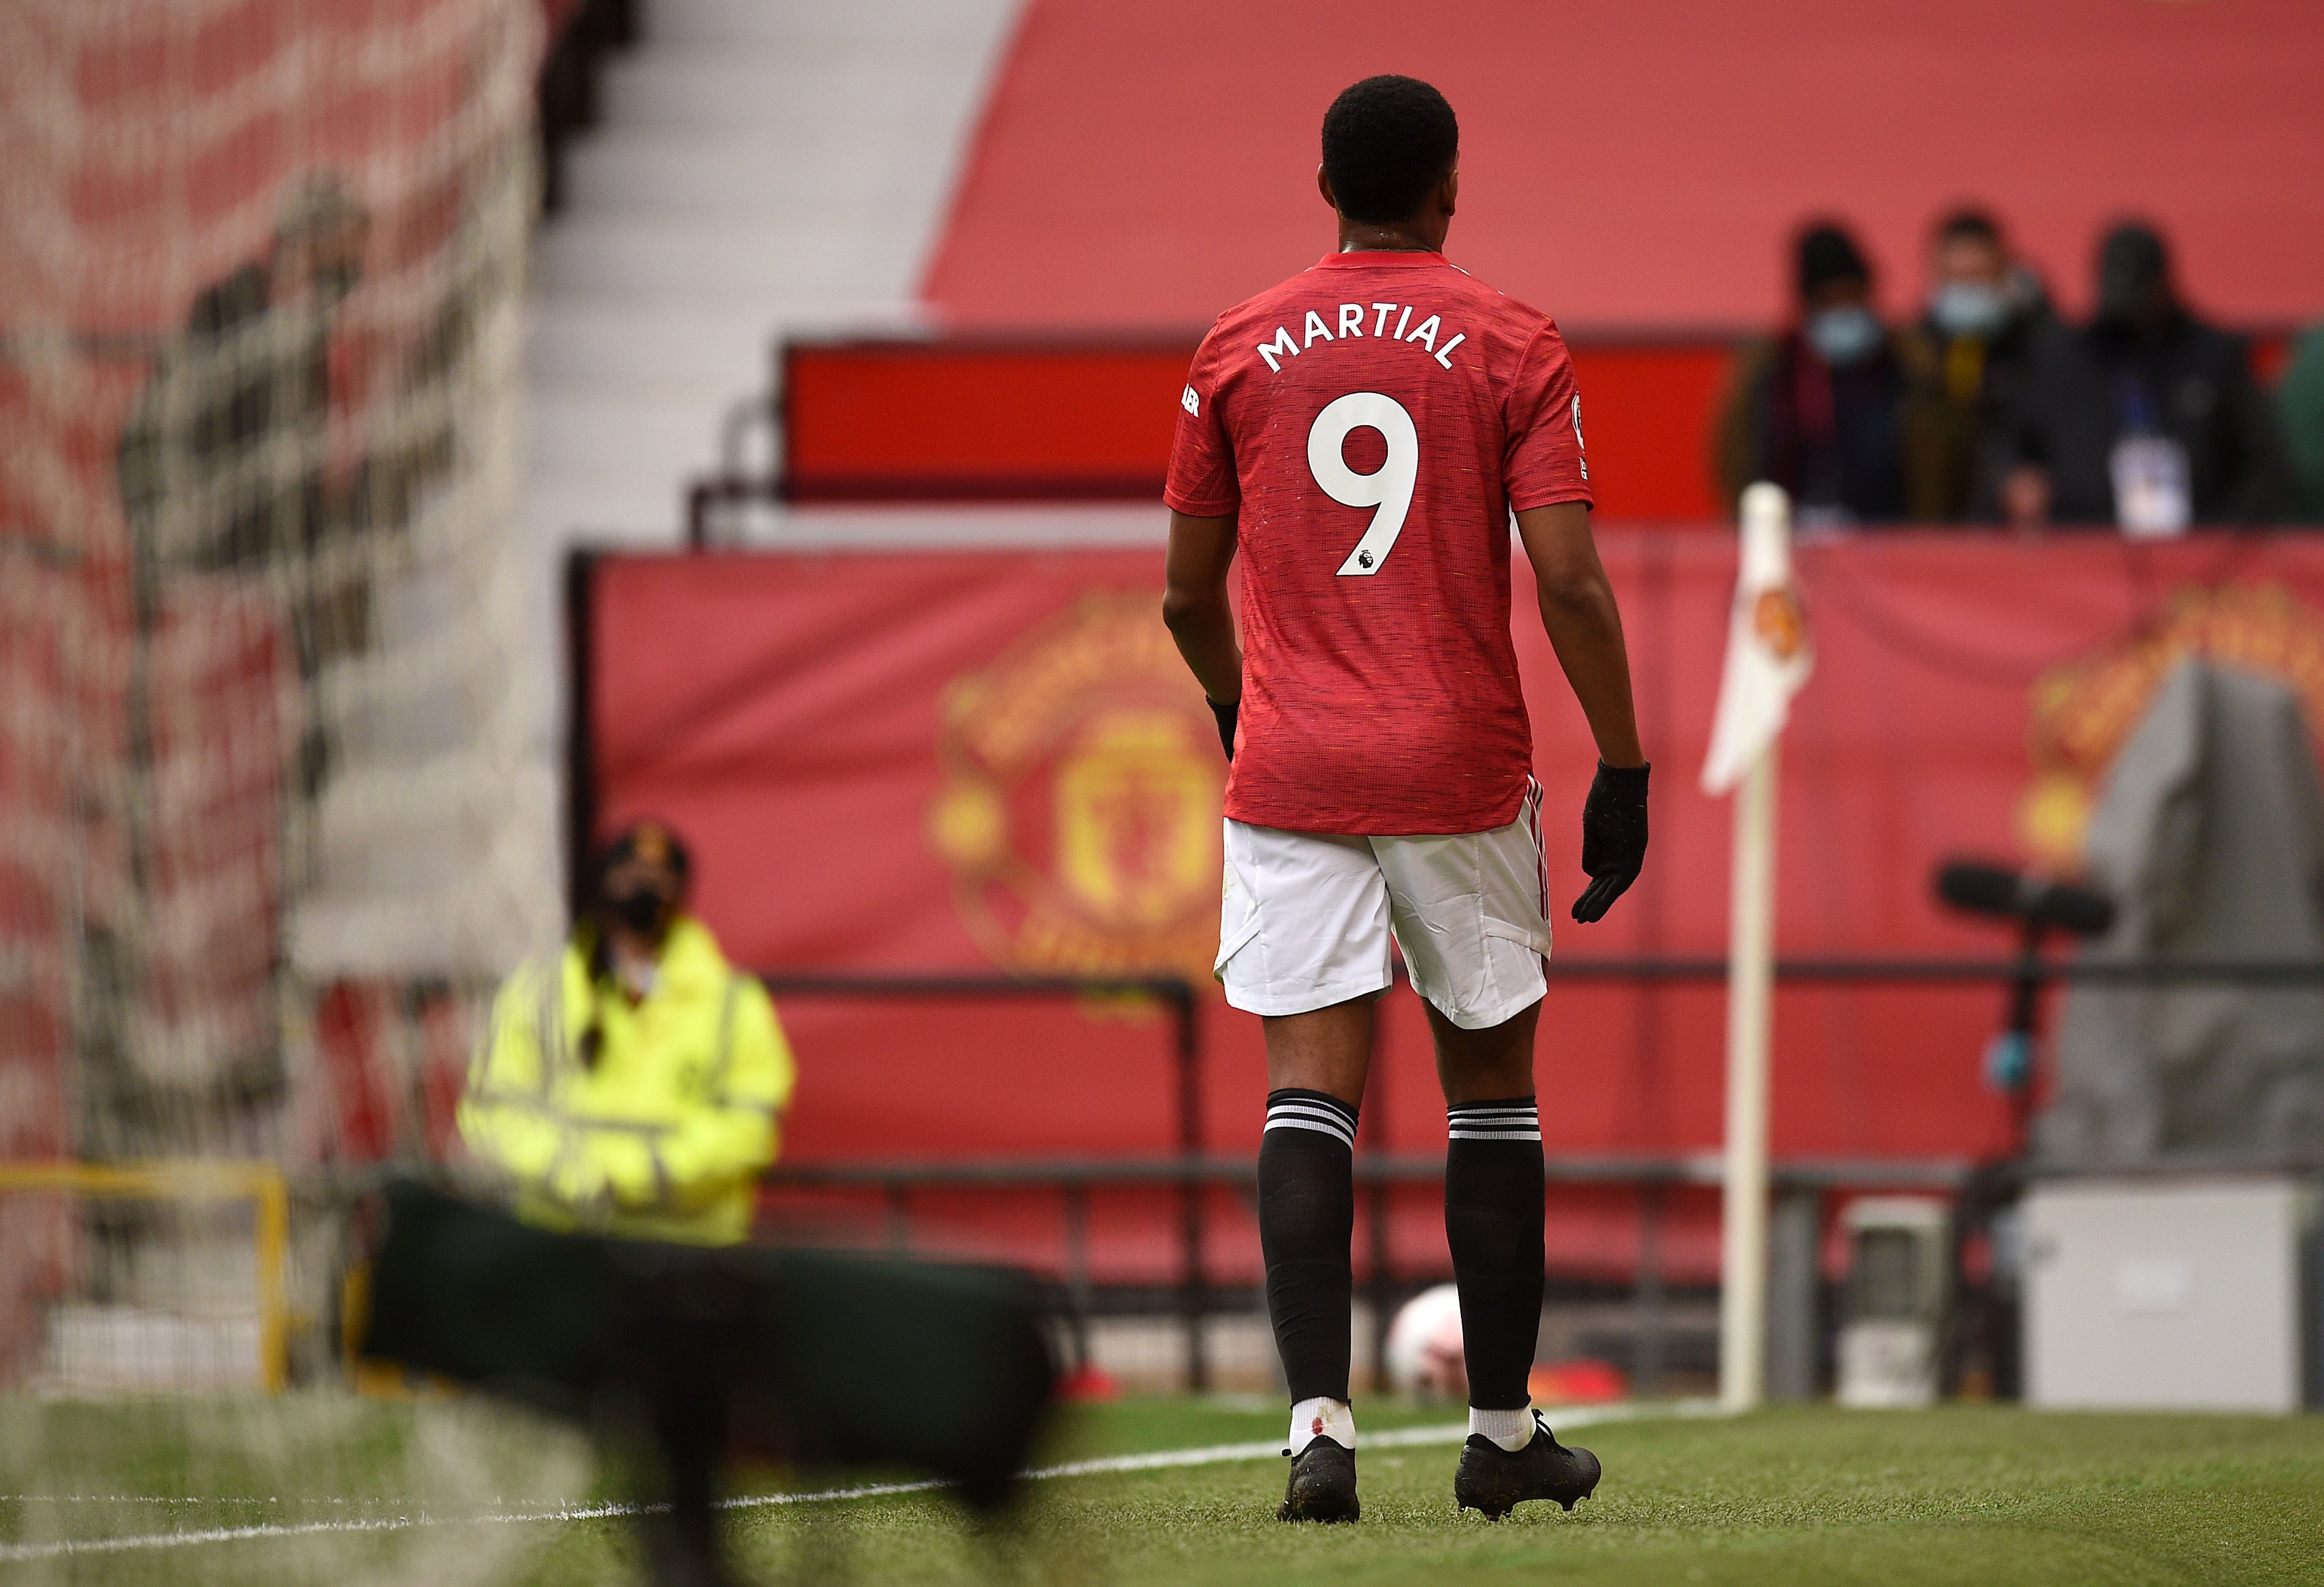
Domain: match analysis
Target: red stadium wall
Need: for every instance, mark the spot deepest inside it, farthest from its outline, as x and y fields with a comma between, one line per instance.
x=1641, y=164
x=930, y=760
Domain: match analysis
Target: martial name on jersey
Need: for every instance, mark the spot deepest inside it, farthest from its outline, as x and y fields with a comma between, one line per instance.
x=1352, y=327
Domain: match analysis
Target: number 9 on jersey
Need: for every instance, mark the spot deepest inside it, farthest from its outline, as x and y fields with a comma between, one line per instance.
x=1390, y=488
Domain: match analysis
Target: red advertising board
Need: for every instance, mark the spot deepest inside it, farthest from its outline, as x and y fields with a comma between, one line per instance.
x=1089, y=417
x=972, y=760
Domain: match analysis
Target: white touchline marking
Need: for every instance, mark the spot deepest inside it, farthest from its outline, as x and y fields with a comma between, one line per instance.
x=164, y=1499
x=1151, y=1461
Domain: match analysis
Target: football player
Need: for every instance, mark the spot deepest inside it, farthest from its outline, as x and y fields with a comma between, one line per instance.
x=1361, y=434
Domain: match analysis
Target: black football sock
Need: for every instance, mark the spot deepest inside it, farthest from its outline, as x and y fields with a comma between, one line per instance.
x=1492, y=1222
x=1307, y=1216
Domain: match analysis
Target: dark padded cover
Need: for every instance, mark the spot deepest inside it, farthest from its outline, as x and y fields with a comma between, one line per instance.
x=860, y=1359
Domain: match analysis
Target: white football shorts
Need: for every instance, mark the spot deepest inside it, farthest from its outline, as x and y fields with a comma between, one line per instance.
x=1305, y=918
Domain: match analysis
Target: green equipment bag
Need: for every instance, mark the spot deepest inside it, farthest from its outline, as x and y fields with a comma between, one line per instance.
x=823, y=1356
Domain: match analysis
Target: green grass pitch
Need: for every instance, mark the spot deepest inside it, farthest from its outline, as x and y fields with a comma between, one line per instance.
x=1799, y=1498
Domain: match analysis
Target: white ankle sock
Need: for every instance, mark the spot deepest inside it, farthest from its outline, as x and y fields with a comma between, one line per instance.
x=1325, y=1418
x=1511, y=1430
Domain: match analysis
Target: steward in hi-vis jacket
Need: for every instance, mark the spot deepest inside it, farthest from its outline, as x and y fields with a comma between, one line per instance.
x=636, y=1085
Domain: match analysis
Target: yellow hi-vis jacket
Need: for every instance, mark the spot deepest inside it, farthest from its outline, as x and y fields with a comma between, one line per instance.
x=663, y=1136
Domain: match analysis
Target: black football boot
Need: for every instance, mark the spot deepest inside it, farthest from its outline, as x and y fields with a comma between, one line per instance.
x=1323, y=1486
x=1493, y=1479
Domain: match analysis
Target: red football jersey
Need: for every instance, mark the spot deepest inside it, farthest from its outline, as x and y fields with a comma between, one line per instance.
x=1372, y=422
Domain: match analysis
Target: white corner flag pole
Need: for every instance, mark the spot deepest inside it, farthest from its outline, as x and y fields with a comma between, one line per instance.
x=1751, y=988
x=1767, y=660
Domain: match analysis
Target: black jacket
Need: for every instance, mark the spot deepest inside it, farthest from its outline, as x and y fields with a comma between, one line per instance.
x=1828, y=435
x=2083, y=388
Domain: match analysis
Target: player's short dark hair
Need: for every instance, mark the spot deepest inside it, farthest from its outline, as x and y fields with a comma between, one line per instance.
x=1969, y=223
x=1386, y=141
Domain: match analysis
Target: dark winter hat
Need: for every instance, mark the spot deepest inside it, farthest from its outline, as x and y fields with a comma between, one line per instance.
x=2133, y=262
x=1828, y=254
x=650, y=842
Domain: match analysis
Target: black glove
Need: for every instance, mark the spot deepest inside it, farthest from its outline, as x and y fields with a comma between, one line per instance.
x=1226, y=715
x=1613, y=837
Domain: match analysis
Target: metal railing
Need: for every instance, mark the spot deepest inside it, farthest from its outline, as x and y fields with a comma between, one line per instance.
x=1964, y=971
x=1194, y=1172
x=1186, y=1170
x=1075, y=1179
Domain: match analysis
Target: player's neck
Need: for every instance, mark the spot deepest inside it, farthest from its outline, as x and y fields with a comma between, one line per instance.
x=1358, y=236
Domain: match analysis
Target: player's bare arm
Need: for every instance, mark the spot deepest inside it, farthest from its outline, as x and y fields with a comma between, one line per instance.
x=1586, y=629
x=1200, y=617
x=1585, y=626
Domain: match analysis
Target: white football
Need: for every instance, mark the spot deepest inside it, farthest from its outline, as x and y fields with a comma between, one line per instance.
x=1425, y=1357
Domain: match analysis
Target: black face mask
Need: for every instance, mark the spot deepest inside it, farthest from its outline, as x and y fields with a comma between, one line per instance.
x=640, y=911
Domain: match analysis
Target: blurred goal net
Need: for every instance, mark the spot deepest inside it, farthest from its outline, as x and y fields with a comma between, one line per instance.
x=272, y=781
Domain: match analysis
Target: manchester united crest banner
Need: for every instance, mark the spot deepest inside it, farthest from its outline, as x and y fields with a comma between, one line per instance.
x=982, y=760
x=992, y=760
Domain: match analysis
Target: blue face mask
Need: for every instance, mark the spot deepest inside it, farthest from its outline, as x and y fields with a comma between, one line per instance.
x=1843, y=336
x=1969, y=308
